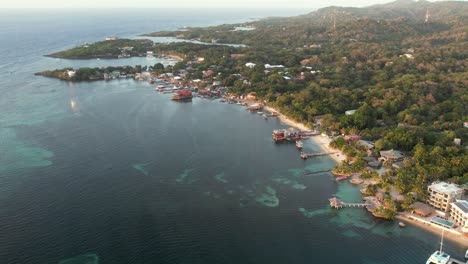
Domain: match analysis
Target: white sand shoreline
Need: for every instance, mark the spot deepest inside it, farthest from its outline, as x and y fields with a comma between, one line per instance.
x=323, y=142
x=460, y=239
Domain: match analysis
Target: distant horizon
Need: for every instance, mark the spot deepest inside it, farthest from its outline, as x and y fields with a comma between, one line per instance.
x=186, y=4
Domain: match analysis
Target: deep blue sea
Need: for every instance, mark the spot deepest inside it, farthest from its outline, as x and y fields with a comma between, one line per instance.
x=113, y=172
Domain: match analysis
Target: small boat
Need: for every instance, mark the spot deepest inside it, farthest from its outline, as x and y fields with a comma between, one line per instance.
x=299, y=144
x=265, y=117
x=159, y=88
x=401, y=224
x=341, y=178
x=260, y=112
x=466, y=254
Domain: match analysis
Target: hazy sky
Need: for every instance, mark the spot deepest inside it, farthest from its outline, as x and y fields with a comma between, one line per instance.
x=186, y=3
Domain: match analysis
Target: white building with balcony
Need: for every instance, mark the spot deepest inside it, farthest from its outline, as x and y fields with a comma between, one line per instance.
x=459, y=214
x=442, y=194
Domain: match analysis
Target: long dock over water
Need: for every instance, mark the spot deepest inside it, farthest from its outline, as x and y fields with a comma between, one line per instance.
x=311, y=155
x=314, y=172
x=338, y=204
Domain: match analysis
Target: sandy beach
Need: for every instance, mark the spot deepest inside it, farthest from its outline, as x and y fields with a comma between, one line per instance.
x=323, y=142
x=433, y=228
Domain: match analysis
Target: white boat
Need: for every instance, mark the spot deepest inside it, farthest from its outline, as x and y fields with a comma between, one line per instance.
x=440, y=257
x=299, y=144
x=466, y=254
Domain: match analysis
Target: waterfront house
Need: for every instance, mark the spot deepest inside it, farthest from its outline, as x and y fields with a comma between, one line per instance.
x=71, y=73
x=366, y=144
x=459, y=213
x=391, y=155
x=442, y=194
x=422, y=209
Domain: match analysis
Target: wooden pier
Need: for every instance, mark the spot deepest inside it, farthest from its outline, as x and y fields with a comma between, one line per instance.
x=311, y=155
x=314, y=172
x=338, y=204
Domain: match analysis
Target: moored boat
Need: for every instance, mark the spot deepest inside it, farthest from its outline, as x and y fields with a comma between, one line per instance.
x=440, y=257
x=401, y=224
x=299, y=144
x=159, y=88
x=341, y=178
x=265, y=117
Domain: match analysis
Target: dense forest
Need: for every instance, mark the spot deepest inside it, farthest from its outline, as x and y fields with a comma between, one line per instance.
x=107, y=49
x=402, y=66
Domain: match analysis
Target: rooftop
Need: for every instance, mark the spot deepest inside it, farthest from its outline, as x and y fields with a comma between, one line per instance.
x=422, y=209
x=462, y=205
x=446, y=188
x=392, y=154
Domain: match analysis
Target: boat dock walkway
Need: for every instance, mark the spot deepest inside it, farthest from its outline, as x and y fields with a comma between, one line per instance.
x=455, y=261
x=338, y=204
x=314, y=172
x=310, y=155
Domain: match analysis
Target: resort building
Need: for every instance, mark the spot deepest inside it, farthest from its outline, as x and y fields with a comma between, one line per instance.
x=366, y=144
x=391, y=155
x=422, y=209
x=459, y=214
x=442, y=194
